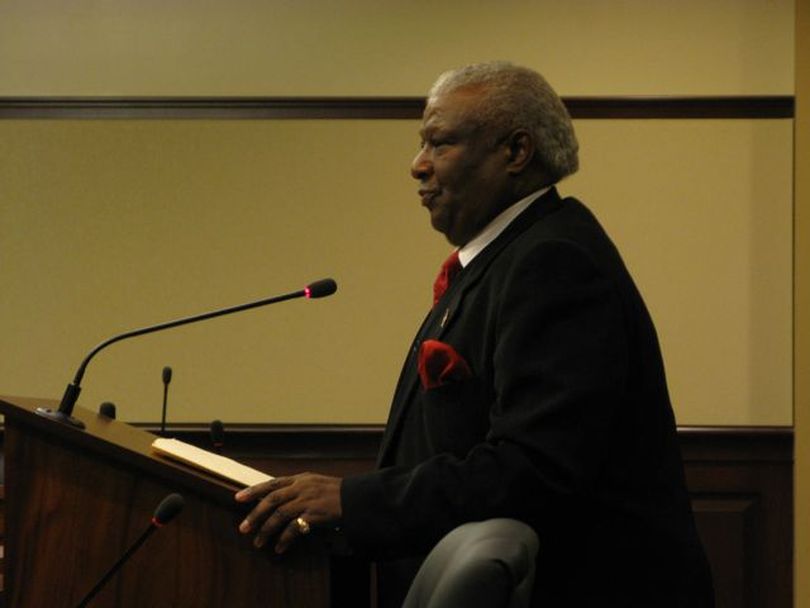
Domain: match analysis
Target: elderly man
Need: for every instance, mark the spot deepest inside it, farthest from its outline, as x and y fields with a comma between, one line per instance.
x=535, y=388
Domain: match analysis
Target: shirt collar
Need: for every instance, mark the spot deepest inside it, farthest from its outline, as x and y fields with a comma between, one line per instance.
x=467, y=253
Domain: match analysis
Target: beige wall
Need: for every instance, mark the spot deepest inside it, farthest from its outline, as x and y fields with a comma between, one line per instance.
x=109, y=225
x=701, y=211
x=113, y=225
x=391, y=47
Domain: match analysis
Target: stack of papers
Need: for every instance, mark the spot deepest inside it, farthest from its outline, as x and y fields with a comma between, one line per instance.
x=209, y=462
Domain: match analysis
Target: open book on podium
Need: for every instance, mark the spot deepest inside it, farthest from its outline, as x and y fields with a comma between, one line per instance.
x=208, y=461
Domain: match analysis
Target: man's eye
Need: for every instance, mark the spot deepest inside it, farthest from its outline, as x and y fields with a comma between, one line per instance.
x=433, y=143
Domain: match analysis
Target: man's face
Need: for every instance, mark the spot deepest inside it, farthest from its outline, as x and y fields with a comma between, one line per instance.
x=460, y=167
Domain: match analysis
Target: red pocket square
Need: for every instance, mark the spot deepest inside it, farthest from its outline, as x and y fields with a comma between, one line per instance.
x=439, y=363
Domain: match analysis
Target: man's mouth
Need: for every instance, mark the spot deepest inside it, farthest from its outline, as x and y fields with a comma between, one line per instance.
x=427, y=196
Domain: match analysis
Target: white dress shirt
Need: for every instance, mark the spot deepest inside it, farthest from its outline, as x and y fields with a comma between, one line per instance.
x=467, y=253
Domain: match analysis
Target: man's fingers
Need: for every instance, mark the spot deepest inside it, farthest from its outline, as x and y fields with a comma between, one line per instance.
x=266, y=508
x=273, y=525
x=298, y=526
x=261, y=489
x=312, y=498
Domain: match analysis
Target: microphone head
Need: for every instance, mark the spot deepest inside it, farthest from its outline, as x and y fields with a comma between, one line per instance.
x=167, y=374
x=168, y=509
x=107, y=409
x=320, y=289
x=217, y=433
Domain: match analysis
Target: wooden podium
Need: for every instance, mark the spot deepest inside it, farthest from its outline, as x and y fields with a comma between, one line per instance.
x=76, y=500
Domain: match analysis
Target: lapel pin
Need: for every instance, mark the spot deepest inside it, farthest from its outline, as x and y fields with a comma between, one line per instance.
x=445, y=317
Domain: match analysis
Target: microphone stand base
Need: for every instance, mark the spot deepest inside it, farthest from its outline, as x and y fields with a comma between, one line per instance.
x=59, y=417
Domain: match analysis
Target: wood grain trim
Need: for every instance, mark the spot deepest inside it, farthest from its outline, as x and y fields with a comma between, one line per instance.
x=736, y=444
x=285, y=441
x=259, y=108
x=714, y=444
x=360, y=441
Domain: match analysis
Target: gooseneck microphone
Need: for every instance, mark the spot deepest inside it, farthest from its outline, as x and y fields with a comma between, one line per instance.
x=167, y=378
x=64, y=414
x=166, y=511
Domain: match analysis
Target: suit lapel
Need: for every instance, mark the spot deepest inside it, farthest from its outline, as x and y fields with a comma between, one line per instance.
x=405, y=386
x=476, y=270
x=448, y=309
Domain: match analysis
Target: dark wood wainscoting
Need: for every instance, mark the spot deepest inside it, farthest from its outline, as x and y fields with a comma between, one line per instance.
x=740, y=479
x=741, y=482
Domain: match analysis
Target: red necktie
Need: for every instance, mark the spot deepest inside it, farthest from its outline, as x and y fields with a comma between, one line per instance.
x=450, y=268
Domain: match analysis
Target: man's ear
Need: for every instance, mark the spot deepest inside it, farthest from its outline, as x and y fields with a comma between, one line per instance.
x=520, y=150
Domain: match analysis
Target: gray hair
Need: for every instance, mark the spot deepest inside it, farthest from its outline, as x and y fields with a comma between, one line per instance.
x=517, y=97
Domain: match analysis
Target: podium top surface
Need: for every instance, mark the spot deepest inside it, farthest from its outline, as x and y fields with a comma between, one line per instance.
x=113, y=439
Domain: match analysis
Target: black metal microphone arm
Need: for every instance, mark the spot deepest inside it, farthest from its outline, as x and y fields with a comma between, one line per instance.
x=64, y=413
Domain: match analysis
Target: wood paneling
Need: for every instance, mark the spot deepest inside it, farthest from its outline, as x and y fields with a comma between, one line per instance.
x=740, y=480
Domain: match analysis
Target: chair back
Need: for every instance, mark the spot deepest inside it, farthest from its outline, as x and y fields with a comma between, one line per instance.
x=486, y=564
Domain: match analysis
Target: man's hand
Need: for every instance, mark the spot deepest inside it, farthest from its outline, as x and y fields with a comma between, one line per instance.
x=284, y=501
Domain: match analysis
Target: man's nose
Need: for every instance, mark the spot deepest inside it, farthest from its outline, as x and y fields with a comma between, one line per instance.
x=421, y=166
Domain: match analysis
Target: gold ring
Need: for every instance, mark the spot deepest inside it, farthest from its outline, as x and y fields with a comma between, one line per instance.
x=303, y=525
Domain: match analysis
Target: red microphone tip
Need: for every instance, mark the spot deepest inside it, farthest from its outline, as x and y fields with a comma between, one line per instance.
x=320, y=289
x=168, y=508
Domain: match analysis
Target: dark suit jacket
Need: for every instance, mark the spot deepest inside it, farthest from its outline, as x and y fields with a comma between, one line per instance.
x=565, y=424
